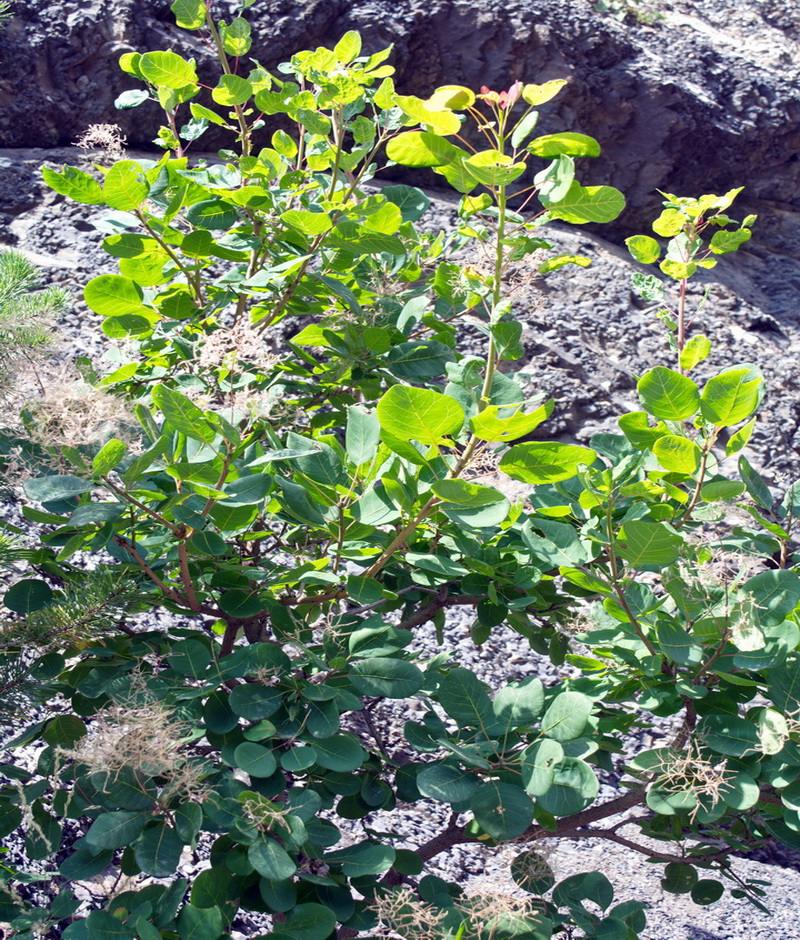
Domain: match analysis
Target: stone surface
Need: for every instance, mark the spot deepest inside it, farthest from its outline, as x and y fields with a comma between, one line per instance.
x=704, y=100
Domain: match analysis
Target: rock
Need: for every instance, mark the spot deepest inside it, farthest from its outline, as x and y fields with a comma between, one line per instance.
x=702, y=101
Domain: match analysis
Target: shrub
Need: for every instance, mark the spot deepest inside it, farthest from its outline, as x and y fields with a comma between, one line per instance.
x=299, y=485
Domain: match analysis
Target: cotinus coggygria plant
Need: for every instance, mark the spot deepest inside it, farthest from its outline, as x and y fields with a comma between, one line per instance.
x=234, y=568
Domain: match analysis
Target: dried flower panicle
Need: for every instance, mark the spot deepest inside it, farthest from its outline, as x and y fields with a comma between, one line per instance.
x=107, y=138
x=69, y=412
x=688, y=771
x=143, y=735
x=403, y=914
x=232, y=347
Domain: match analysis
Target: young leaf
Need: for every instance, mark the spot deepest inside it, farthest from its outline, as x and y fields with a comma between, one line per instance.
x=643, y=249
x=648, y=543
x=677, y=454
x=545, y=461
x=487, y=425
x=695, y=351
x=731, y=397
x=167, y=70
x=668, y=395
x=586, y=204
x=567, y=142
x=419, y=414
x=74, y=183
x=181, y=414
x=189, y=14
x=421, y=148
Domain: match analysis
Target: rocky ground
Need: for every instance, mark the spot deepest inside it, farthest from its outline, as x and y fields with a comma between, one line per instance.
x=702, y=101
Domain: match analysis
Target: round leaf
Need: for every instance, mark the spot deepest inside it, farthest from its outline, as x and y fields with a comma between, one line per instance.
x=386, y=678
x=28, y=595
x=502, y=810
x=545, y=461
x=419, y=414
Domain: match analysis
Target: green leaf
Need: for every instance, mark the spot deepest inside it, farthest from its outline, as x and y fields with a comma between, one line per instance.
x=28, y=595
x=108, y=457
x=55, y=488
x=519, y=703
x=421, y=148
x=310, y=922
x=439, y=120
x=567, y=716
x=255, y=759
x=470, y=504
x=412, y=202
x=447, y=783
x=586, y=204
x=729, y=734
x=419, y=414
x=721, y=490
x=492, y=168
x=722, y=242
x=232, y=90
x=200, y=923
x=340, y=753
x=131, y=99
x=158, y=851
x=115, y=830
x=502, y=810
x=538, y=764
x=84, y=863
x=125, y=186
x=348, y=47
x=363, y=858
x=534, y=95
x=755, y=484
x=574, y=787
x=419, y=360
x=776, y=593
x=309, y=223
x=783, y=685
x=464, y=698
x=100, y=925
x=731, y=396
x=75, y=184
x=648, y=543
x=270, y=860
x=707, y=891
x=678, y=454
x=181, y=414
x=487, y=425
x=643, y=249
x=545, y=461
x=740, y=438
x=567, y=142
x=668, y=395
x=678, y=644
x=559, y=545
x=253, y=701
x=695, y=351
x=525, y=127
x=208, y=543
x=247, y=490
x=189, y=14
x=112, y=295
x=167, y=70
x=236, y=36
x=386, y=678
x=212, y=214
x=363, y=434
